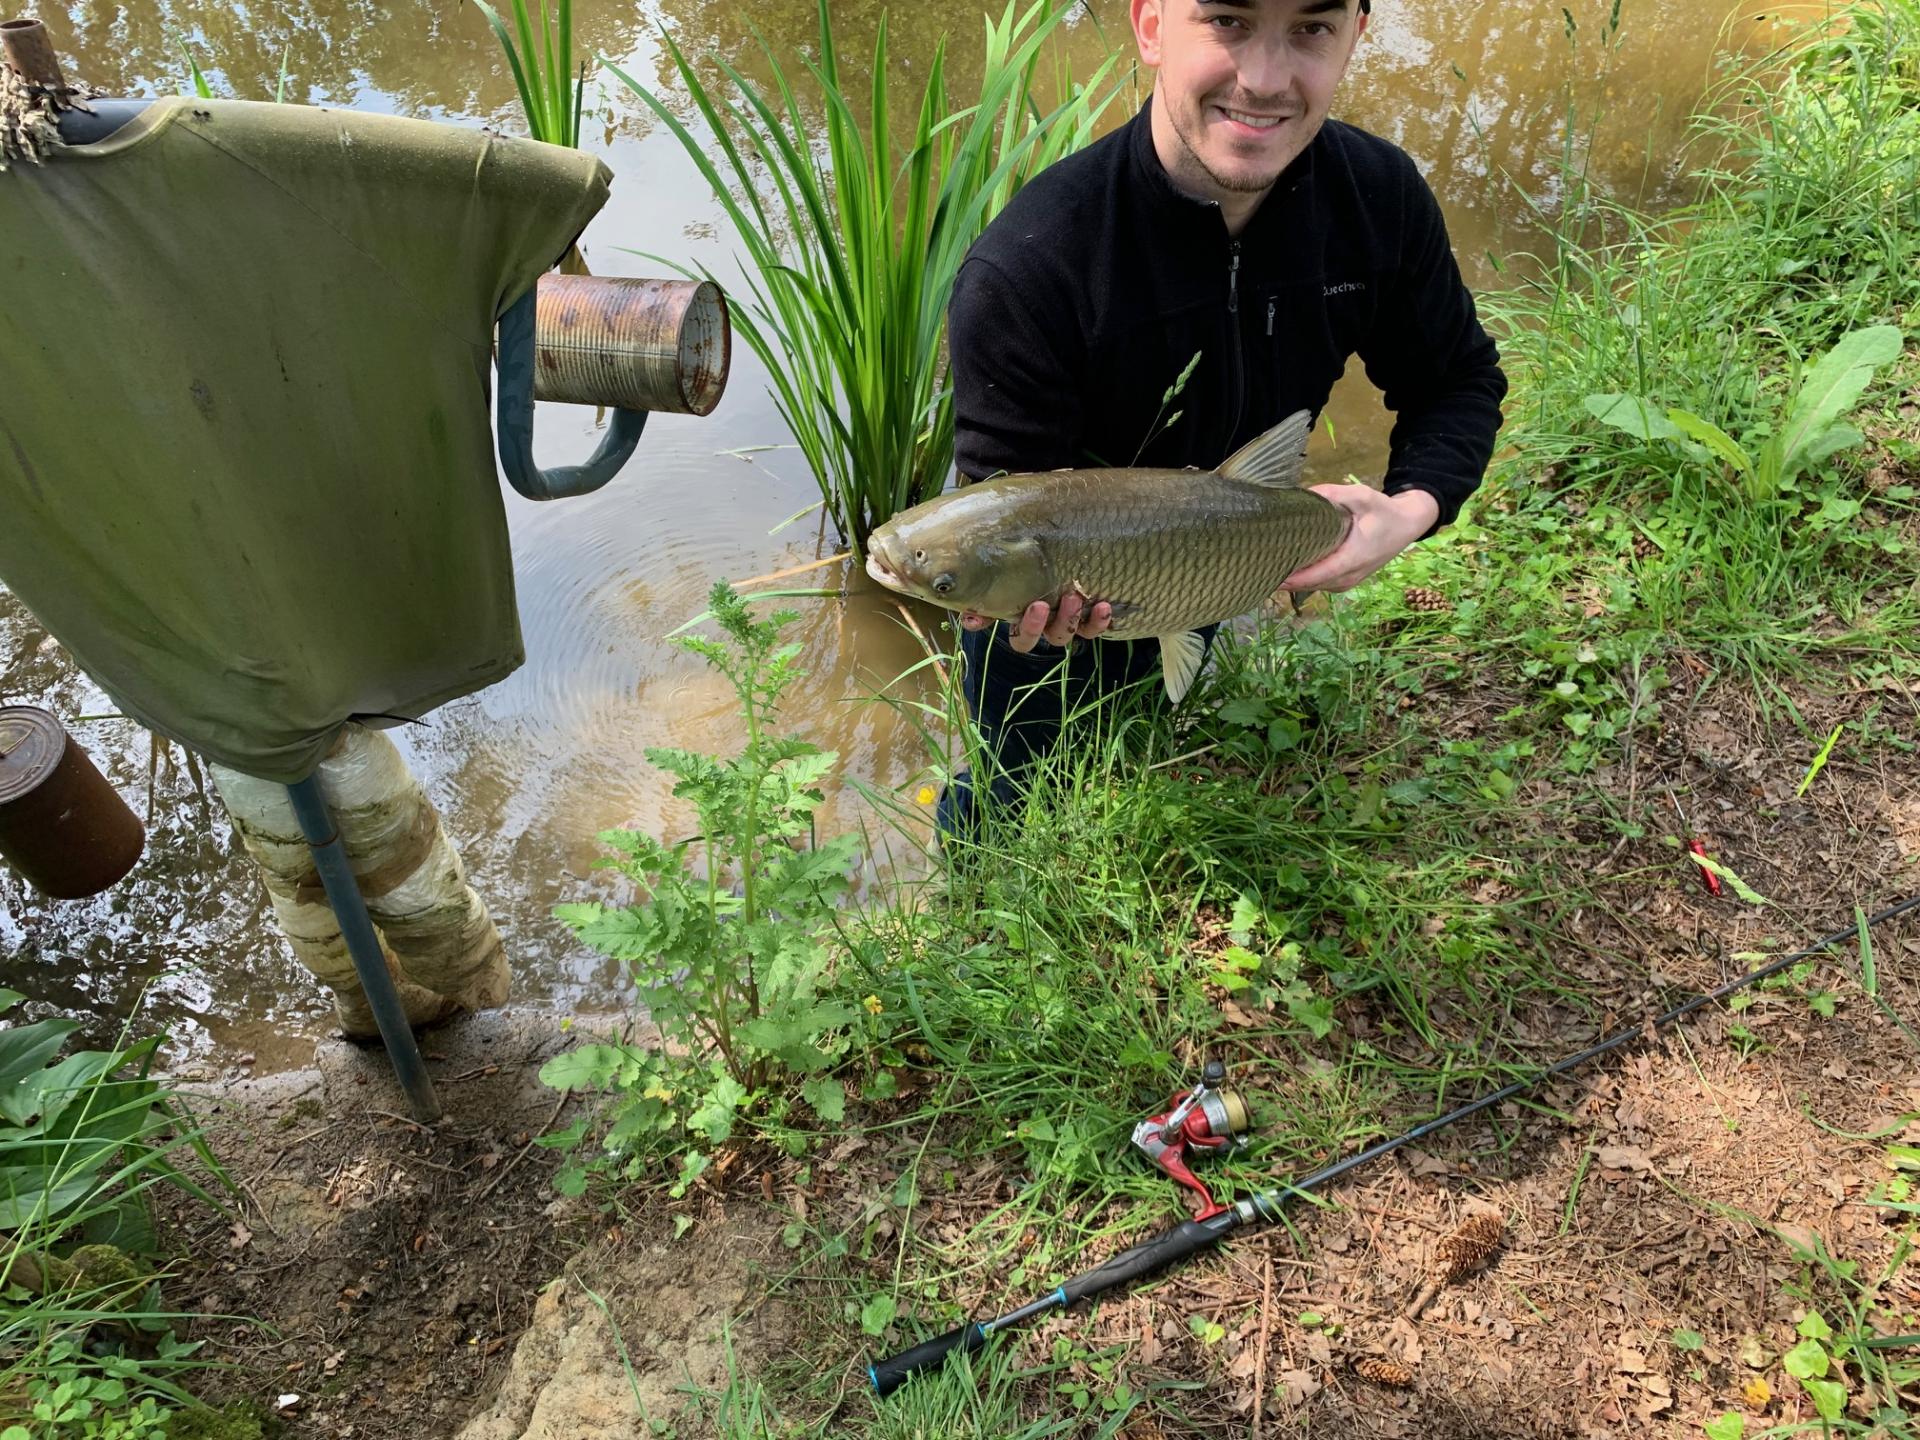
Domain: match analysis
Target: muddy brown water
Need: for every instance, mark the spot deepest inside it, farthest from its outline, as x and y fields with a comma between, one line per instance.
x=526, y=772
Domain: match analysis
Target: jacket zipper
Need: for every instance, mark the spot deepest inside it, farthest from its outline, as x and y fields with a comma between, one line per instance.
x=1270, y=305
x=1235, y=345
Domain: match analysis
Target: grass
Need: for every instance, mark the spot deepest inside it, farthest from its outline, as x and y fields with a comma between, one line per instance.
x=87, y=1346
x=851, y=245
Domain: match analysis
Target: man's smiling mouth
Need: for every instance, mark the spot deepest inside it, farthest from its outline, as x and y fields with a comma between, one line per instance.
x=1251, y=119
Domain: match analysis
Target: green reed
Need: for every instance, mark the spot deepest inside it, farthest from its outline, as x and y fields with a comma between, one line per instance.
x=851, y=255
x=542, y=65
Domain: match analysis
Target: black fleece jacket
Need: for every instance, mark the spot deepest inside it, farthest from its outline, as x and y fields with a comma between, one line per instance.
x=1099, y=282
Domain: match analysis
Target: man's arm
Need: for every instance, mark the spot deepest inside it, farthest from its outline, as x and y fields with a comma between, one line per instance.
x=1439, y=372
x=1437, y=368
x=1017, y=409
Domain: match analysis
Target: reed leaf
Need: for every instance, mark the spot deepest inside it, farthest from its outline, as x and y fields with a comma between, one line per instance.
x=850, y=238
x=551, y=91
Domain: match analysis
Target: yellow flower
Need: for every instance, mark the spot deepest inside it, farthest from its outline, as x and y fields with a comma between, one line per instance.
x=872, y=1002
x=926, y=795
x=1758, y=1392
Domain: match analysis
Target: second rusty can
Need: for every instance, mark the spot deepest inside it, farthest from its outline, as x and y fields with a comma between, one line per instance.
x=63, y=827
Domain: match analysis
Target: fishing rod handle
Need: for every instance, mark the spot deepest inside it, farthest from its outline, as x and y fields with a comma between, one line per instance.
x=1188, y=1238
x=890, y=1374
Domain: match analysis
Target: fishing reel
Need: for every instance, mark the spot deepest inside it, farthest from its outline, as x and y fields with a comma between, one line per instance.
x=1208, y=1119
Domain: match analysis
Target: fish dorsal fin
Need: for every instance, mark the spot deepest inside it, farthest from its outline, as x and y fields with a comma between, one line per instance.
x=1180, y=657
x=1275, y=457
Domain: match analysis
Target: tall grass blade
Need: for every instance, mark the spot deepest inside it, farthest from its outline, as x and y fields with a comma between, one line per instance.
x=551, y=91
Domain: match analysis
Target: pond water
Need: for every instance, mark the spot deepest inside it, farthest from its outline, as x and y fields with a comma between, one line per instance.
x=526, y=772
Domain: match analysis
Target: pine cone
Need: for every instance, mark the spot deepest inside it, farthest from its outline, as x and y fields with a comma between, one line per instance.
x=1469, y=1247
x=1382, y=1371
x=1419, y=597
x=1644, y=547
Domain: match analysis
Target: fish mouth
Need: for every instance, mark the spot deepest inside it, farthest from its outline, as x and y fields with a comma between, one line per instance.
x=879, y=569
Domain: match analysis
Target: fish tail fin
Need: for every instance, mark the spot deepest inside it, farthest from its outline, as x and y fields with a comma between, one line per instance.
x=1274, y=458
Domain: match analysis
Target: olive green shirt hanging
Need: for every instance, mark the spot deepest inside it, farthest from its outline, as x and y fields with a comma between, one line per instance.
x=246, y=460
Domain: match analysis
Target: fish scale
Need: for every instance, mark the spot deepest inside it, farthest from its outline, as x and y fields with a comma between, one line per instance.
x=1173, y=550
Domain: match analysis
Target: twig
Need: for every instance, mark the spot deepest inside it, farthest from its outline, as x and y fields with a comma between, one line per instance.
x=1190, y=755
x=795, y=570
x=1260, y=1365
x=389, y=1115
x=925, y=643
x=1427, y=1292
x=292, y=1145
x=507, y=1168
x=265, y=1219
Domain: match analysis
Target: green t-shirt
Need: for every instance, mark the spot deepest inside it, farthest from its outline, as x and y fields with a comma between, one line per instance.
x=246, y=459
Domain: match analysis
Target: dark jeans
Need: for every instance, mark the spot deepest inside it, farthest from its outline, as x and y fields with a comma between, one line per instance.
x=1021, y=704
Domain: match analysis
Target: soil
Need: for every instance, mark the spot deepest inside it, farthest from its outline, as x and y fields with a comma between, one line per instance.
x=412, y=1281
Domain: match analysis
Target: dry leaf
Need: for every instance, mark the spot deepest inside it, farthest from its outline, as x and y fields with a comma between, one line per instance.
x=1758, y=1392
x=240, y=1236
x=1236, y=1016
x=1623, y=1157
x=1299, y=1385
x=1408, y=1347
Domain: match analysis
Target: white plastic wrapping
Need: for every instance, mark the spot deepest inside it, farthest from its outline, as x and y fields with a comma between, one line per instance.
x=440, y=943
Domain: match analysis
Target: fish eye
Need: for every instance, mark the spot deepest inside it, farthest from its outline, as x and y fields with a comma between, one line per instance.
x=942, y=584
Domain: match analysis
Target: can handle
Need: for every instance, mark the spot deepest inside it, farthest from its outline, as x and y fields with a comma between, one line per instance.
x=514, y=419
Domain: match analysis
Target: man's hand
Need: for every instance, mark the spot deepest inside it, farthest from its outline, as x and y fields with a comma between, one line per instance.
x=1074, y=617
x=1383, y=526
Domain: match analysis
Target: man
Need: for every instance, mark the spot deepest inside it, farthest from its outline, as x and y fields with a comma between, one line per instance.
x=1233, y=221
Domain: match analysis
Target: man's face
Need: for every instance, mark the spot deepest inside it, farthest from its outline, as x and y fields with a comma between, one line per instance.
x=1243, y=85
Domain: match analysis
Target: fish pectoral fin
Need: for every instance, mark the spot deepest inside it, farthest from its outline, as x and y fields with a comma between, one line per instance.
x=1180, y=657
x=1274, y=458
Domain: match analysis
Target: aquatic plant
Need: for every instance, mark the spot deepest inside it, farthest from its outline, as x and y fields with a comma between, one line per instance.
x=542, y=67
x=853, y=259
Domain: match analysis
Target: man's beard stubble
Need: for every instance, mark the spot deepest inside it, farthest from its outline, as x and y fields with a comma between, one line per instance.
x=1240, y=184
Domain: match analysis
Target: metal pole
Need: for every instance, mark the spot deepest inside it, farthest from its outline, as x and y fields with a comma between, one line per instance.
x=356, y=928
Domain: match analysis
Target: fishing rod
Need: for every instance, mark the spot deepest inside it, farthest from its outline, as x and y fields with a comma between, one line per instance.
x=1211, y=1116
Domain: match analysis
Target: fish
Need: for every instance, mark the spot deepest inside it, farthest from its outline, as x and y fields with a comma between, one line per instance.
x=1169, y=550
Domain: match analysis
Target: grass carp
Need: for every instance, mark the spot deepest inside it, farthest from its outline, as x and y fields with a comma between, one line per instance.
x=1169, y=550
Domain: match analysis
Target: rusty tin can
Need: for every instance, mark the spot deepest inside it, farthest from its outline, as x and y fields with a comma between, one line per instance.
x=658, y=345
x=63, y=827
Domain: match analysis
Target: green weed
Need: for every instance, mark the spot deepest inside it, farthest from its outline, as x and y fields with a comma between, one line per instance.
x=86, y=1350
x=728, y=941
x=542, y=65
